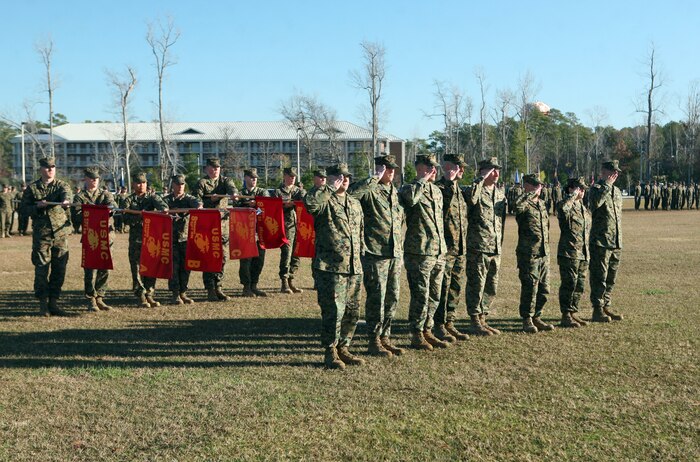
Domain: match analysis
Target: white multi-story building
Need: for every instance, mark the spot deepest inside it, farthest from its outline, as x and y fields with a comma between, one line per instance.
x=267, y=146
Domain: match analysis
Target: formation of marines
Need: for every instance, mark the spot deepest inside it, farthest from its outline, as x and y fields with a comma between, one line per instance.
x=453, y=241
x=662, y=195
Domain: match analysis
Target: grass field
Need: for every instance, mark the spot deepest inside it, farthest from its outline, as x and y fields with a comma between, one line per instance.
x=243, y=380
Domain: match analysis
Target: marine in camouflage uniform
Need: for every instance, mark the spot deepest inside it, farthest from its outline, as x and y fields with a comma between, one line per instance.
x=454, y=209
x=289, y=264
x=382, y=261
x=606, y=241
x=486, y=213
x=22, y=215
x=94, y=281
x=5, y=211
x=251, y=268
x=573, y=251
x=120, y=198
x=424, y=252
x=319, y=180
x=638, y=195
x=50, y=229
x=338, y=221
x=532, y=254
x=213, y=183
x=140, y=200
x=178, y=284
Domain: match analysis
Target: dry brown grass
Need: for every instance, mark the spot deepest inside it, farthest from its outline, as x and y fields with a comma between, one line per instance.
x=242, y=380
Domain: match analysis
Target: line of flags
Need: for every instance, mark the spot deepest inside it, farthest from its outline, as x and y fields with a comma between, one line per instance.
x=204, y=250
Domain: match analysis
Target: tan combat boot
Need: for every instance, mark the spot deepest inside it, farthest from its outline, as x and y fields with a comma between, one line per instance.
x=568, y=321
x=247, y=291
x=292, y=287
x=442, y=334
x=386, y=343
x=349, y=358
x=101, y=304
x=418, y=342
x=220, y=295
x=44, y=307
x=143, y=302
x=614, y=316
x=493, y=330
x=331, y=360
x=285, y=287
x=152, y=301
x=580, y=321
x=476, y=328
x=450, y=327
x=92, y=305
x=175, y=298
x=256, y=291
x=185, y=299
x=528, y=326
x=433, y=341
x=376, y=348
x=541, y=325
x=211, y=294
x=599, y=316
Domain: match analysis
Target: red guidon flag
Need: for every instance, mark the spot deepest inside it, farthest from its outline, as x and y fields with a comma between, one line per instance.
x=205, y=250
x=271, y=222
x=306, y=234
x=96, y=252
x=242, y=234
x=157, y=246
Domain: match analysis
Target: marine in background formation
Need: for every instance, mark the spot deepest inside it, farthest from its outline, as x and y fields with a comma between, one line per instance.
x=250, y=268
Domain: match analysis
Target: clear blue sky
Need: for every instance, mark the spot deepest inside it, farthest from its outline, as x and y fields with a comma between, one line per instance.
x=236, y=60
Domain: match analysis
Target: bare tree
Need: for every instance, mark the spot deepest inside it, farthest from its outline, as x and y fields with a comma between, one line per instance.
x=233, y=158
x=316, y=124
x=649, y=107
x=483, y=88
x=504, y=101
x=123, y=86
x=161, y=38
x=691, y=124
x=45, y=51
x=371, y=79
x=527, y=90
x=597, y=115
x=454, y=108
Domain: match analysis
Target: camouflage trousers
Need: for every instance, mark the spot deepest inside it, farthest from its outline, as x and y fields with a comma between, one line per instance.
x=181, y=277
x=452, y=286
x=573, y=279
x=5, y=222
x=637, y=202
x=214, y=280
x=603, y=267
x=382, y=280
x=95, y=282
x=250, y=268
x=424, y=274
x=50, y=259
x=288, y=263
x=534, y=284
x=139, y=284
x=482, y=281
x=23, y=222
x=339, y=299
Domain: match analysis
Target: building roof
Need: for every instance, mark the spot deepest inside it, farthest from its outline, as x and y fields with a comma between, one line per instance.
x=202, y=131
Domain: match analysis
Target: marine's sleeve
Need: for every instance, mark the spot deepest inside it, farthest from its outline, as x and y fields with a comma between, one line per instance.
x=597, y=195
x=410, y=194
x=523, y=203
x=360, y=189
x=316, y=200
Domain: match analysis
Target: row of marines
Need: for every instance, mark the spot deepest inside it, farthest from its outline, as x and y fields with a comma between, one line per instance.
x=667, y=196
x=46, y=198
x=451, y=232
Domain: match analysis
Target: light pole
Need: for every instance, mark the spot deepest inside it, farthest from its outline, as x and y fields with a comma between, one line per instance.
x=24, y=177
x=298, y=153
